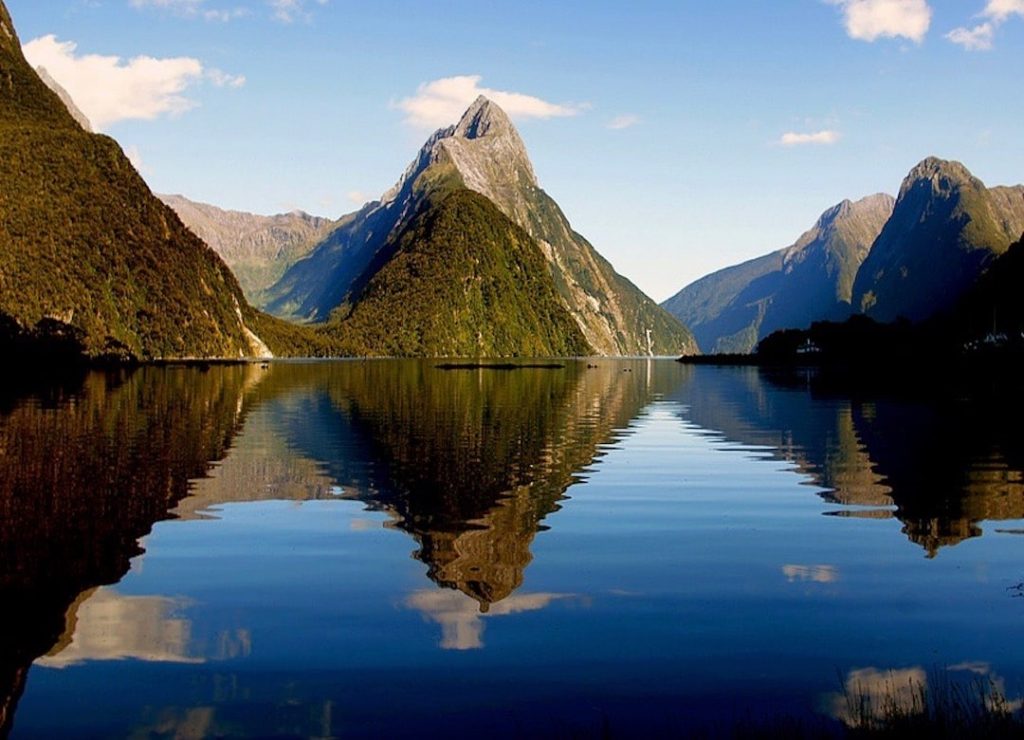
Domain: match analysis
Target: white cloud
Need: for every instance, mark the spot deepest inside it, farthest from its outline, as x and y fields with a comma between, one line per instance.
x=193, y=9
x=1000, y=10
x=980, y=37
x=225, y=15
x=288, y=11
x=223, y=79
x=109, y=89
x=442, y=102
x=358, y=197
x=869, y=20
x=793, y=138
x=626, y=120
x=187, y=7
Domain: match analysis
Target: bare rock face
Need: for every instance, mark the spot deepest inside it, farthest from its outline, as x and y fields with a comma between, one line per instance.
x=65, y=98
x=258, y=249
x=484, y=152
x=491, y=158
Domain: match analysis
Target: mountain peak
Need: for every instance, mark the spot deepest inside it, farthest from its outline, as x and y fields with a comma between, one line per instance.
x=8, y=35
x=942, y=174
x=879, y=204
x=489, y=155
x=483, y=118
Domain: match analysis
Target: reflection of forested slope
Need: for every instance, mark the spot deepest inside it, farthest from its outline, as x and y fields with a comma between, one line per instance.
x=818, y=435
x=259, y=467
x=950, y=464
x=468, y=462
x=943, y=464
x=83, y=477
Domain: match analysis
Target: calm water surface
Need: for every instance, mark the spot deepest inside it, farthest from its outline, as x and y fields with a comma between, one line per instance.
x=387, y=549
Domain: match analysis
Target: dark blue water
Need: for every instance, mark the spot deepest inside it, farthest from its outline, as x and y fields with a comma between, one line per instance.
x=387, y=549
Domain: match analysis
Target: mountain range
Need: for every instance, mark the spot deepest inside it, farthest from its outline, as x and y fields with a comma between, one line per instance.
x=912, y=258
x=466, y=256
x=732, y=309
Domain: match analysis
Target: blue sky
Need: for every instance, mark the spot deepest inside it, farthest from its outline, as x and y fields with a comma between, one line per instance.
x=658, y=126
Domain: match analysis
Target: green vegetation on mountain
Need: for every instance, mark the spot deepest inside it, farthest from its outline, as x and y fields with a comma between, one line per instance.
x=83, y=241
x=812, y=280
x=946, y=228
x=461, y=280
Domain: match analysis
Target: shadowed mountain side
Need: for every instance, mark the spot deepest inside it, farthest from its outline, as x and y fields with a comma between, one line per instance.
x=812, y=280
x=946, y=228
x=83, y=478
x=944, y=464
x=720, y=316
x=467, y=462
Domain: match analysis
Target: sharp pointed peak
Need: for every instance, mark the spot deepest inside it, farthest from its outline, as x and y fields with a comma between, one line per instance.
x=483, y=118
x=7, y=33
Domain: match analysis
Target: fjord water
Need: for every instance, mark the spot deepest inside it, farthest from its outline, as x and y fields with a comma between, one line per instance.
x=389, y=549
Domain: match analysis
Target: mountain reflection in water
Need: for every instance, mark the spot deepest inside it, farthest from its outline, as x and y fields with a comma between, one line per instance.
x=940, y=465
x=470, y=465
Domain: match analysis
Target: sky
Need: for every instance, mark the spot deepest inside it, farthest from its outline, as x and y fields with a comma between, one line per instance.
x=678, y=136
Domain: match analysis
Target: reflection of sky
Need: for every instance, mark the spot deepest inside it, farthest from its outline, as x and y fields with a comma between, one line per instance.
x=872, y=696
x=461, y=618
x=812, y=573
x=109, y=626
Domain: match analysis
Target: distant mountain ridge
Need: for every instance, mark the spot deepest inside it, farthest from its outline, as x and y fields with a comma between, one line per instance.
x=485, y=154
x=913, y=258
x=811, y=280
x=947, y=226
x=258, y=249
